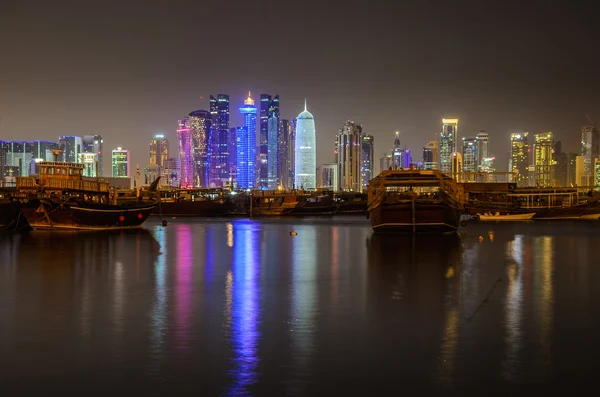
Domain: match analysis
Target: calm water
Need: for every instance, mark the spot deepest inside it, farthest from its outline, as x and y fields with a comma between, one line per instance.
x=238, y=307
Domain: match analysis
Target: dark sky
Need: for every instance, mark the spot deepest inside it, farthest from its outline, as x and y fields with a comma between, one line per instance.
x=128, y=69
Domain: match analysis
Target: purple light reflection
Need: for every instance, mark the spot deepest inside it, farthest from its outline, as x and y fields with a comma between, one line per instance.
x=183, y=286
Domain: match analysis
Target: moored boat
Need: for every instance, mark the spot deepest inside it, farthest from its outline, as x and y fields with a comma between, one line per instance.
x=414, y=201
x=11, y=218
x=314, y=204
x=272, y=203
x=505, y=217
x=192, y=203
x=62, y=199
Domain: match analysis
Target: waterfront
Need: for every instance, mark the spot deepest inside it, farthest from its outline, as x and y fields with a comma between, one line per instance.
x=241, y=307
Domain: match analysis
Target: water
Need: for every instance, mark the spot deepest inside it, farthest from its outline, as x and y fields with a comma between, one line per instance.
x=239, y=307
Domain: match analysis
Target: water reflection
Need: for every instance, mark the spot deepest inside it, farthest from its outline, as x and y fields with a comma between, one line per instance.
x=513, y=307
x=183, y=286
x=242, y=297
x=159, y=312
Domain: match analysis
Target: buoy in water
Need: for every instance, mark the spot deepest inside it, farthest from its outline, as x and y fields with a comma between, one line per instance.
x=164, y=222
x=480, y=238
x=293, y=233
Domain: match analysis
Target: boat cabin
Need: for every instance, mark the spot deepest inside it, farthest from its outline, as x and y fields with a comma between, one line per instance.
x=58, y=175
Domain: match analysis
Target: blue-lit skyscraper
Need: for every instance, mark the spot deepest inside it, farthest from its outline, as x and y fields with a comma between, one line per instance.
x=219, y=140
x=263, y=152
x=246, y=146
x=273, y=147
x=306, y=151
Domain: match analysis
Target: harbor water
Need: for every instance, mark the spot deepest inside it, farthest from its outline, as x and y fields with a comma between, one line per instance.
x=236, y=307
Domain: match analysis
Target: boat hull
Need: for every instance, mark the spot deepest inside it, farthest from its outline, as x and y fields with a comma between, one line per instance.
x=429, y=218
x=52, y=215
x=11, y=218
x=506, y=218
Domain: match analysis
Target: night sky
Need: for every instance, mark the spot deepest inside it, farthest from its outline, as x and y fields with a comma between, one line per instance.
x=129, y=69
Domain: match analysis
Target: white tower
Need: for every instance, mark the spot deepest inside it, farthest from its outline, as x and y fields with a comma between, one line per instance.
x=306, y=151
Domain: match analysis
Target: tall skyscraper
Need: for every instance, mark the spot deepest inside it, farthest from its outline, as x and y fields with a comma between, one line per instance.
x=397, y=152
x=200, y=123
x=120, y=163
x=543, y=159
x=263, y=153
x=219, y=141
x=43, y=150
x=349, y=153
x=367, y=160
x=305, y=168
x=482, y=148
x=273, y=144
x=327, y=176
x=385, y=163
x=590, y=141
x=186, y=162
x=232, y=162
x=285, y=155
x=71, y=147
x=448, y=143
x=406, y=158
x=469, y=154
x=94, y=144
x=519, y=162
x=431, y=155
x=89, y=160
x=159, y=150
x=17, y=157
x=246, y=146
x=170, y=172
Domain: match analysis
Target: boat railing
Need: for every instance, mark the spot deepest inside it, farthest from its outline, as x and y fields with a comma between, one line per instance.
x=25, y=182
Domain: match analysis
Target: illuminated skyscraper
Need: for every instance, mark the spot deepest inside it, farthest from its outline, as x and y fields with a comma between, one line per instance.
x=448, y=143
x=120, y=163
x=159, y=150
x=349, y=153
x=367, y=160
x=431, y=155
x=268, y=107
x=482, y=145
x=89, y=160
x=397, y=152
x=519, y=162
x=543, y=159
x=590, y=140
x=306, y=151
x=43, y=150
x=94, y=144
x=469, y=154
x=286, y=155
x=385, y=163
x=232, y=162
x=327, y=176
x=246, y=146
x=219, y=140
x=273, y=143
x=186, y=163
x=71, y=147
x=200, y=123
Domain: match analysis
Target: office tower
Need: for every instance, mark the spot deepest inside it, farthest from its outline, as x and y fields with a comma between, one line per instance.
x=488, y=164
x=327, y=176
x=469, y=154
x=273, y=144
x=286, y=152
x=17, y=158
x=94, y=144
x=71, y=147
x=263, y=153
x=186, y=163
x=305, y=167
x=560, y=167
x=170, y=172
x=159, y=150
x=219, y=150
x=590, y=141
x=581, y=178
x=120, y=163
x=571, y=159
x=89, y=160
x=406, y=158
x=349, y=154
x=385, y=163
x=457, y=166
x=519, y=162
x=366, y=160
x=292, y=152
x=431, y=155
x=482, y=145
x=246, y=146
x=232, y=162
x=44, y=150
x=200, y=123
x=596, y=173
x=448, y=143
x=543, y=159
x=397, y=152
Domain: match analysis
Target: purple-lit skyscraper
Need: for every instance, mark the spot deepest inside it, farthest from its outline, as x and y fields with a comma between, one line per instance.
x=246, y=146
x=184, y=137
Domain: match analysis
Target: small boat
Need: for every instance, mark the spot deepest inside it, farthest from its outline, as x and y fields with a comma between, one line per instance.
x=61, y=198
x=272, y=203
x=414, y=201
x=505, y=217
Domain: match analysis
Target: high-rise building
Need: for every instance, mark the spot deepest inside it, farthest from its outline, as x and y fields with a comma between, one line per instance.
x=560, y=167
x=200, y=123
x=581, y=178
x=232, y=162
x=120, y=163
x=482, y=145
x=170, y=172
x=590, y=141
x=571, y=159
x=286, y=155
x=543, y=159
x=488, y=164
x=406, y=158
x=397, y=152
x=457, y=166
x=219, y=149
x=89, y=160
x=71, y=146
x=366, y=160
x=469, y=154
x=305, y=167
x=246, y=146
x=596, y=174
x=385, y=163
x=519, y=162
x=159, y=150
x=263, y=153
x=17, y=157
x=349, y=153
x=327, y=176
x=186, y=162
x=44, y=150
x=94, y=144
x=431, y=155
x=448, y=143
x=273, y=124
